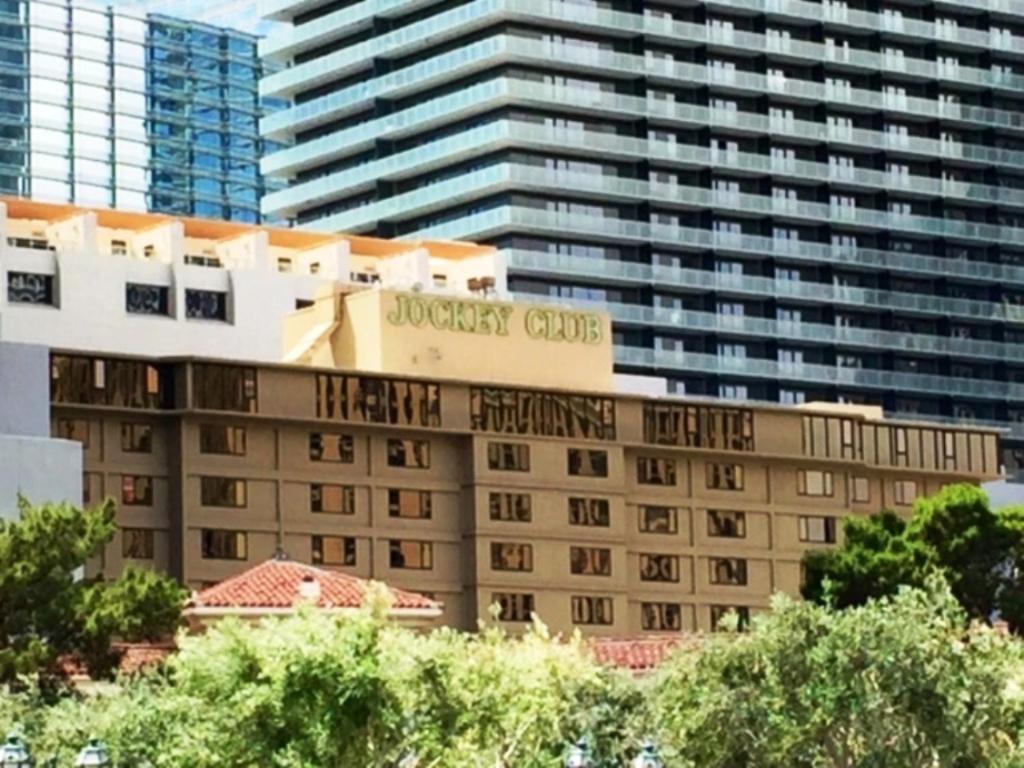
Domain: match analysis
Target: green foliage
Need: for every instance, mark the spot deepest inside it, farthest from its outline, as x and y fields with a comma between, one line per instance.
x=898, y=683
x=47, y=610
x=315, y=691
x=955, y=533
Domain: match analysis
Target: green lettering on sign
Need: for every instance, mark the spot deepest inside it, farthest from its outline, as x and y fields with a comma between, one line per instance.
x=495, y=319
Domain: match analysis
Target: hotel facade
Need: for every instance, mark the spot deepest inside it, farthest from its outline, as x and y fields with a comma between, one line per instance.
x=777, y=200
x=615, y=514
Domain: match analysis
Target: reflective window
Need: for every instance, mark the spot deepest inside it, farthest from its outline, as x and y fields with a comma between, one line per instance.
x=589, y=512
x=29, y=288
x=509, y=507
x=143, y=299
x=409, y=504
x=416, y=555
x=137, y=544
x=587, y=610
x=590, y=561
x=224, y=545
x=222, y=492
x=137, y=490
x=330, y=499
x=513, y=606
x=333, y=550
x=661, y=617
x=222, y=439
x=506, y=556
x=654, y=519
x=206, y=305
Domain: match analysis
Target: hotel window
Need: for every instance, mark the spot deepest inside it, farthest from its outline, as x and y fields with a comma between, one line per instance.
x=222, y=439
x=653, y=471
x=659, y=568
x=719, y=612
x=508, y=457
x=584, y=462
x=413, y=555
x=813, y=482
x=224, y=545
x=137, y=544
x=136, y=438
x=224, y=388
x=339, y=449
x=92, y=487
x=513, y=606
x=590, y=561
x=74, y=429
x=143, y=299
x=904, y=491
x=588, y=610
x=333, y=550
x=661, y=617
x=411, y=454
x=658, y=519
x=511, y=557
x=818, y=530
x=509, y=507
x=861, y=490
x=118, y=248
x=332, y=499
x=29, y=288
x=136, y=491
x=727, y=524
x=410, y=505
x=206, y=305
x=725, y=477
x=899, y=445
x=731, y=571
x=222, y=492
x=948, y=449
x=589, y=512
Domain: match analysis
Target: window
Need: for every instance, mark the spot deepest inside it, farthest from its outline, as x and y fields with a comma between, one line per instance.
x=142, y=299
x=224, y=388
x=412, y=454
x=585, y=462
x=334, y=448
x=137, y=544
x=222, y=439
x=719, y=612
x=653, y=471
x=589, y=512
x=509, y=507
x=513, y=606
x=819, y=530
x=590, y=561
x=725, y=477
x=137, y=491
x=511, y=557
x=333, y=550
x=661, y=617
x=658, y=519
x=332, y=499
x=904, y=491
x=728, y=570
x=206, y=305
x=414, y=555
x=411, y=505
x=74, y=429
x=591, y=610
x=224, y=545
x=118, y=248
x=222, y=492
x=136, y=438
x=861, y=490
x=508, y=457
x=29, y=288
x=727, y=524
x=659, y=568
x=813, y=482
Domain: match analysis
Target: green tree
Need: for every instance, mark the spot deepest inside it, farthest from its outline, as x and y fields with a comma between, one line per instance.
x=49, y=610
x=900, y=682
x=955, y=533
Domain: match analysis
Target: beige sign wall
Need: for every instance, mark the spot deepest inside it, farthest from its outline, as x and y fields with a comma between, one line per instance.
x=452, y=338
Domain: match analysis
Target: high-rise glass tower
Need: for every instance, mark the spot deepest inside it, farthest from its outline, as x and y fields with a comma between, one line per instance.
x=135, y=112
x=778, y=200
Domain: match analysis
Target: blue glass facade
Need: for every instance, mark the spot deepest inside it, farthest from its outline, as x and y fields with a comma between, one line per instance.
x=777, y=200
x=136, y=112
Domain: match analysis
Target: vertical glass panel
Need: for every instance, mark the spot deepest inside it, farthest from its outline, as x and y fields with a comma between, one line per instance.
x=92, y=194
x=55, y=191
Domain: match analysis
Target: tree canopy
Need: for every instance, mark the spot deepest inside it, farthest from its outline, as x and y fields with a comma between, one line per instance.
x=49, y=610
x=956, y=533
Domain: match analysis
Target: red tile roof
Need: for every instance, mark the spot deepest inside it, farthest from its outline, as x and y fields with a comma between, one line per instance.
x=637, y=654
x=275, y=585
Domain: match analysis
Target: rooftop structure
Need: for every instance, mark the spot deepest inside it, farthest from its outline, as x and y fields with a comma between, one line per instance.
x=99, y=280
x=777, y=201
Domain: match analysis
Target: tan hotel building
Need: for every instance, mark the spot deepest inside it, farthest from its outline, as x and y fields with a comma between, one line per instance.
x=477, y=451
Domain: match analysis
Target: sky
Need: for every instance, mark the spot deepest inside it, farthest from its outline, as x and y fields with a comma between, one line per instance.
x=241, y=14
